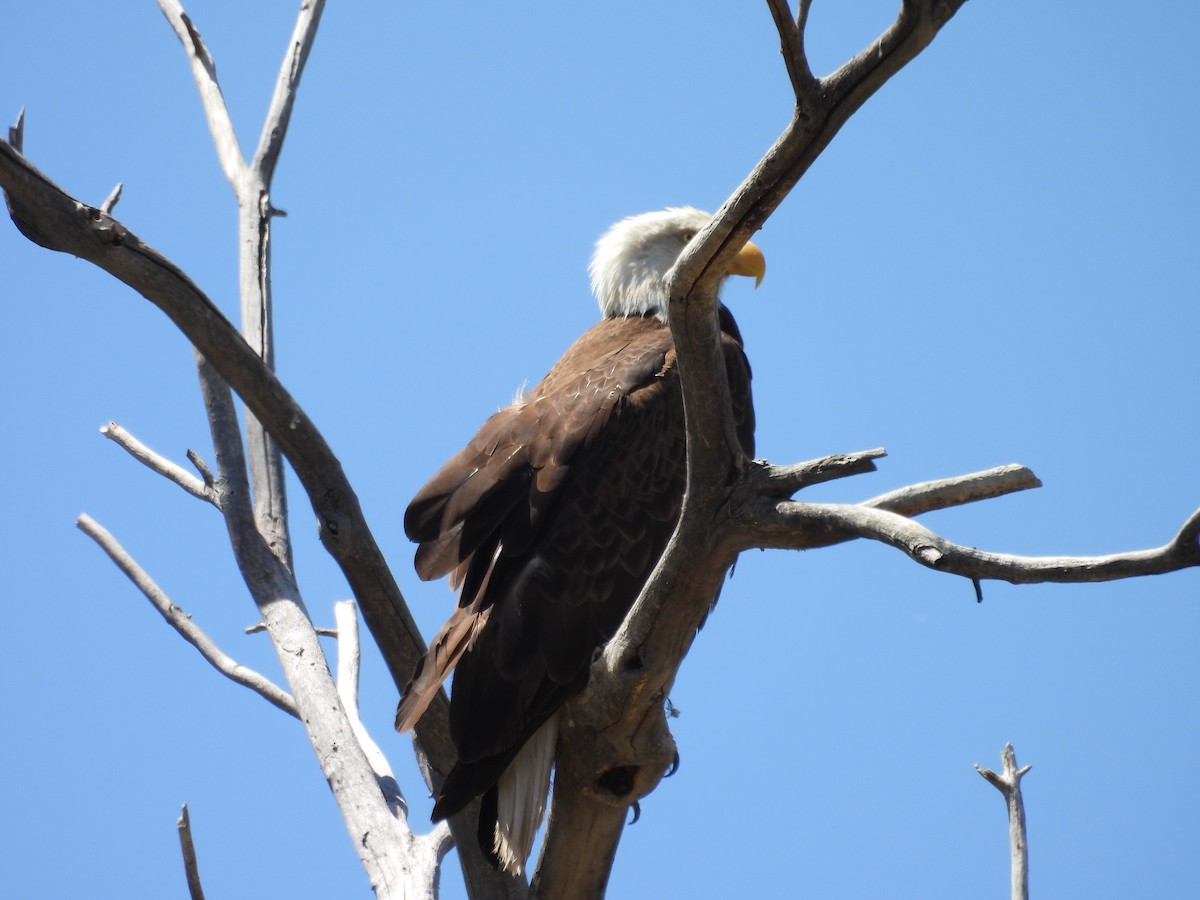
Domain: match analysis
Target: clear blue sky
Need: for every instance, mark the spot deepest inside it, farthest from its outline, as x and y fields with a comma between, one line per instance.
x=994, y=262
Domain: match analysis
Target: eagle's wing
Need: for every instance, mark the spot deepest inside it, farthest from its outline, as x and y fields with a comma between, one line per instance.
x=479, y=516
x=551, y=520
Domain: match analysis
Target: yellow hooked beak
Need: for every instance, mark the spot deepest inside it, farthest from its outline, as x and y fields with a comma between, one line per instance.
x=749, y=261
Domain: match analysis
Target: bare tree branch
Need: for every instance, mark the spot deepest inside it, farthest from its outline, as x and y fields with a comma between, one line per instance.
x=204, y=71
x=190, y=866
x=49, y=217
x=111, y=200
x=440, y=841
x=797, y=525
x=202, y=468
x=946, y=492
x=181, y=622
x=762, y=478
x=279, y=114
x=16, y=132
x=379, y=837
x=251, y=186
x=283, y=612
x=348, y=658
x=159, y=464
x=261, y=628
x=791, y=37
x=1009, y=784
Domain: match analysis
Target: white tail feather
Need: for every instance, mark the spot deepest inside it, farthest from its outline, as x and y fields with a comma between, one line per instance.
x=521, y=797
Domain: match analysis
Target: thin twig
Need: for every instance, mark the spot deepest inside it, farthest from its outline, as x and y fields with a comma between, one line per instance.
x=261, y=627
x=160, y=464
x=279, y=113
x=783, y=481
x=1009, y=784
x=190, y=865
x=202, y=467
x=802, y=17
x=204, y=71
x=791, y=39
x=16, y=132
x=111, y=200
x=946, y=492
x=182, y=623
x=346, y=616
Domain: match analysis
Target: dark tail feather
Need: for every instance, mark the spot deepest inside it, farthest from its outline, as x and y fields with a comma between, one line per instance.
x=486, y=831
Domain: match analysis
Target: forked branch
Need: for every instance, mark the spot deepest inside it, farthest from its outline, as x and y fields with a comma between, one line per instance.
x=51, y=218
x=802, y=526
x=198, y=488
x=1009, y=784
x=623, y=702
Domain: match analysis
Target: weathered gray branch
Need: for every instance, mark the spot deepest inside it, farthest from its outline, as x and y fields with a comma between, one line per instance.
x=379, y=836
x=1009, y=784
x=16, y=131
x=348, y=662
x=802, y=526
x=946, y=492
x=762, y=478
x=191, y=866
x=160, y=464
x=791, y=37
x=182, y=622
x=204, y=73
x=111, y=200
x=49, y=217
x=384, y=860
x=52, y=219
x=251, y=186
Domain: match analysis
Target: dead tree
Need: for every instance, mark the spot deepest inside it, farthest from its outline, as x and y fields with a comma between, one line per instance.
x=732, y=503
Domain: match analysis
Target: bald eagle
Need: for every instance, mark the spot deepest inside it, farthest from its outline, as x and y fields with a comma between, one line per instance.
x=549, y=522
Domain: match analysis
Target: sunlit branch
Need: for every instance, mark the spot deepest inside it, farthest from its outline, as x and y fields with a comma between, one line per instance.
x=182, y=623
x=796, y=525
x=159, y=464
x=204, y=72
x=191, y=866
x=1009, y=784
x=348, y=662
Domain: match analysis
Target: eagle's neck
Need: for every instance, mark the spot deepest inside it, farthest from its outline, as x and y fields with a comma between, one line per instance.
x=639, y=290
x=630, y=264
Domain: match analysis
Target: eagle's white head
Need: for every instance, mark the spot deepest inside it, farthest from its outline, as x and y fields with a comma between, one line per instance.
x=631, y=261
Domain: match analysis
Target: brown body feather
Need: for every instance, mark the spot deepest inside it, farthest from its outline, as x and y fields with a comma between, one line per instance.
x=549, y=521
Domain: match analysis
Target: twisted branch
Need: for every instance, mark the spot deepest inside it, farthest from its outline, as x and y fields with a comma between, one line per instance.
x=802, y=526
